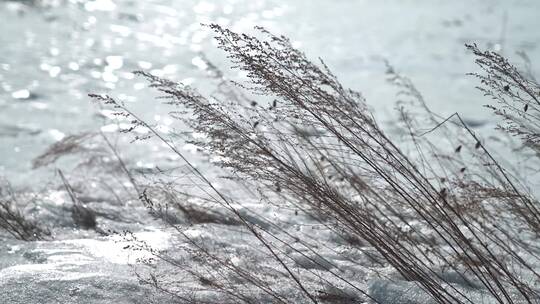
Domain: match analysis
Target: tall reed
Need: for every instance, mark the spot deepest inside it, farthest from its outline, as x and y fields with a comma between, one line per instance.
x=308, y=143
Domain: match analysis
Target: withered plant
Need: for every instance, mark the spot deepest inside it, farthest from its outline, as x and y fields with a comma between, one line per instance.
x=13, y=221
x=516, y=93
x=294, y=137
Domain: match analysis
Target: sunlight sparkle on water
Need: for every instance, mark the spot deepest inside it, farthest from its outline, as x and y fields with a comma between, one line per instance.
x=56, y=134
x=114, y=62
x=111, y=128
x=199, y=62
x=21, y=94
x=100, y=5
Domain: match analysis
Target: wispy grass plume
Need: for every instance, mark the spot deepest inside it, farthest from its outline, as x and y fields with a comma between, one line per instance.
x=310, y=144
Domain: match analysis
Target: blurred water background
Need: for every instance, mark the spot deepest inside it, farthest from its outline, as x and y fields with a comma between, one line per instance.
x=53, y=53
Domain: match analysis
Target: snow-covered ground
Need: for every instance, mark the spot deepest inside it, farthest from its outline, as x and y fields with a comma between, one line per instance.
x=54, y=52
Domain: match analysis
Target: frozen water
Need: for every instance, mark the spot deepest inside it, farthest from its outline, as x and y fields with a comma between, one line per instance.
x=55, y=52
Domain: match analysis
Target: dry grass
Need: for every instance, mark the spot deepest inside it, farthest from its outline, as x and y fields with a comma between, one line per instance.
x=13, y=221
x=312, y=145
x=516, y=94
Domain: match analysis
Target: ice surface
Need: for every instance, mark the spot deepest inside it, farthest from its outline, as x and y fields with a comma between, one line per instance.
x=55, y=52
x=71, y=271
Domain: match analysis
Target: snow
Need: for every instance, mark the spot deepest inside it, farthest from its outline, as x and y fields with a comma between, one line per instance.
x=68, y=272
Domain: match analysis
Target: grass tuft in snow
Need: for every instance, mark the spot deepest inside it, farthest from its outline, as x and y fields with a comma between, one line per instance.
x=13, y=221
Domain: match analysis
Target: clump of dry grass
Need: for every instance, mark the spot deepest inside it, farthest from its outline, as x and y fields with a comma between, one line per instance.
x=69, y=145
x=13, y=221
x=98, y=182
x=516, y=93
x=98, y=157
x=311, y=144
